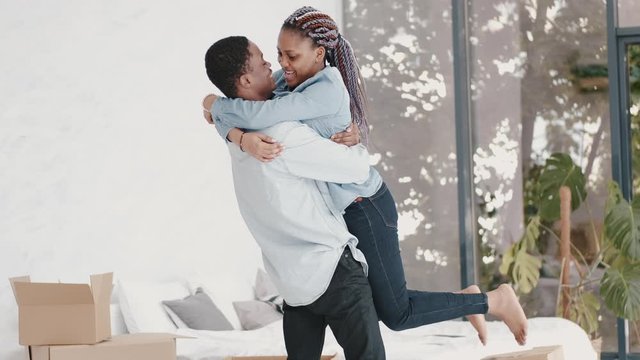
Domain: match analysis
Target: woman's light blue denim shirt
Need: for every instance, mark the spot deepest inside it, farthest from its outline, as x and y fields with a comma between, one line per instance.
x=321, y=102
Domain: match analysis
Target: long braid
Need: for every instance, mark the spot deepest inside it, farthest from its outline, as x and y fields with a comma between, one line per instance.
x=323, y=30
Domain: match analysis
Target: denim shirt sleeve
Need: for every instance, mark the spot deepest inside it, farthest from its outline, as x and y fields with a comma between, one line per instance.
x=321, y=97
x=223, y=127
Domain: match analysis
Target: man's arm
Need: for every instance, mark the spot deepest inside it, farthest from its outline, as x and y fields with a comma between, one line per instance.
x=309, y=155
x=260, y=146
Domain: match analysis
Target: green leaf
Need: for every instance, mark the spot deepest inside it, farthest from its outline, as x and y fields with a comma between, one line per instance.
x=583, y=310
x=507, y=260
x=532, y=233
x=620, y=289
x=526, y=243
x=526, y=271
x=559, y=170
x=622, y=223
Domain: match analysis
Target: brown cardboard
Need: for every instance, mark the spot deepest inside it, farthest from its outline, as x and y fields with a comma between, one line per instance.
x=323, y=357
x=63, y=314
x=140, y=346
x=538, y=353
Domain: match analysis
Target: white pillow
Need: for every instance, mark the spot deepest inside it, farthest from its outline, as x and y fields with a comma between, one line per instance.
x=141, y=304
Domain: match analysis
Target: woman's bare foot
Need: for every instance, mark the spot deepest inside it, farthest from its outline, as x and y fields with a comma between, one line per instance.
x=503, y=303
x=476, y=320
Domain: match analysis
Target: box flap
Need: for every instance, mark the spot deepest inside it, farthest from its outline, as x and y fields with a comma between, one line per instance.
x=28, y=293
x=542, y=353
x=101, y=285
x=14, y=280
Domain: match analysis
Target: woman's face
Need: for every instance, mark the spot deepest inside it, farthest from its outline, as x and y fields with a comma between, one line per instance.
x=299, y=57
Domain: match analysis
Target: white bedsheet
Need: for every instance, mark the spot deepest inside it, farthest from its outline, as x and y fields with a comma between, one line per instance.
x=447, y=340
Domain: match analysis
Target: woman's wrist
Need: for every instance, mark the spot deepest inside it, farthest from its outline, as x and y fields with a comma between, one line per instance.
x=240, y=141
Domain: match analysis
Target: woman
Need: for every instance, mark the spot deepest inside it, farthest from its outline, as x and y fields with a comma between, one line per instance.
x=308, y=40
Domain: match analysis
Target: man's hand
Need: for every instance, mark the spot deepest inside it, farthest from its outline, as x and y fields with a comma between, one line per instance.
x=349, y=137
x=207, y=102
x=208, y=117
x=261, y=146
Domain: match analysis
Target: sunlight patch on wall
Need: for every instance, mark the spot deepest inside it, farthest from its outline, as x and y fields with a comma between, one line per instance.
x=408, y=222
x=432, y=256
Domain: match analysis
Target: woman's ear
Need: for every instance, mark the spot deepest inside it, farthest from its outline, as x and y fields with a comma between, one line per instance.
x=320, y=53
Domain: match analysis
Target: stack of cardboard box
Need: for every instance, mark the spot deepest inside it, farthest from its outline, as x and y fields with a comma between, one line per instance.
x=72, y=322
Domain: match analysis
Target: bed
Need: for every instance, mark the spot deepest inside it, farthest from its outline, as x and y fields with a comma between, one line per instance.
x=138, y=308
x=446, y=340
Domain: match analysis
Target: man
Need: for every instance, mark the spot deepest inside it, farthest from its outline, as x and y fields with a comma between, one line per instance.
x=307, y=250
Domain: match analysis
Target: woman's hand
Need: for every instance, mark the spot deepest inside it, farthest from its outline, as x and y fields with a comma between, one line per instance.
x=349, y=137
x=207, y=103
x=261, y=146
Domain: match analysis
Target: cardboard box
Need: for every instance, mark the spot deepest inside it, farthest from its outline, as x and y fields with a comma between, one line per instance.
x=323, y=357
x=537, y=353
x=122, y=347
x=63, y=314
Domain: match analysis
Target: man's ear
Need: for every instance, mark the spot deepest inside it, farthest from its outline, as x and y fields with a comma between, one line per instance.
x=244, y=81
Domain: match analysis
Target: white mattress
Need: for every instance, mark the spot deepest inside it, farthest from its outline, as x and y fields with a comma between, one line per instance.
x=446, y=340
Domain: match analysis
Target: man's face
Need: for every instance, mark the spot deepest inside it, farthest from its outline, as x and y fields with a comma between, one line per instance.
x=259, y=74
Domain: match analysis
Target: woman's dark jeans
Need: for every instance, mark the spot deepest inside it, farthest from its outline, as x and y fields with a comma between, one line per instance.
x=374, y=221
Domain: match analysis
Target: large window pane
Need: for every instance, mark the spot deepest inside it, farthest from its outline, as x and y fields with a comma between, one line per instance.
x=539, y=83
x=633, y=75
x=628, y=13
x=404, y=50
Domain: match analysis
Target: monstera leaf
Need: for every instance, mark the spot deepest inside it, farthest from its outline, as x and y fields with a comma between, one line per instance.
x=620, y=289
x=583, y=310
x=559, y=170
x=522, y=267
x=526, y=271
x=621, y=223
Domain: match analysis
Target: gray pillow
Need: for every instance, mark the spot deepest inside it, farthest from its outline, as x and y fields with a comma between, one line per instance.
x=255, y=314
x=199, y=312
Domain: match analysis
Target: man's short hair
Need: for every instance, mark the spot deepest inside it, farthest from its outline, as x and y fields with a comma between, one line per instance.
x=225, y=61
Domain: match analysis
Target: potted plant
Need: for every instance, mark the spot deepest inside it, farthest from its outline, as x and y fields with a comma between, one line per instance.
x=614, y=270
x=591, y=77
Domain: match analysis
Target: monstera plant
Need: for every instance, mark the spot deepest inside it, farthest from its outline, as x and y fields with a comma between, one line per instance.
x=615, y=266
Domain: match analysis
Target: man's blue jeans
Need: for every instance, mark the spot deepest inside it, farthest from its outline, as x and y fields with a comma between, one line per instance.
x=346, y=307
x=374, y=221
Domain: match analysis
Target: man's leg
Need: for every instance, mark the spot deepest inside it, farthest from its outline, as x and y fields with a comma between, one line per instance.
x=303, y=333
x=350, y=312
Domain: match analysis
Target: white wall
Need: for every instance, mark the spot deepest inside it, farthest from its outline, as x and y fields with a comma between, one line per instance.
x=105, y=161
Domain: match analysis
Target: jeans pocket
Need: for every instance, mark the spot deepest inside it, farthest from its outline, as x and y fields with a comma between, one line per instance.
x=385, y=208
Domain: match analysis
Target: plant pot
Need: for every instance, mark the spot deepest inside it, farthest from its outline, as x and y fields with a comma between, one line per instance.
x=600, y=83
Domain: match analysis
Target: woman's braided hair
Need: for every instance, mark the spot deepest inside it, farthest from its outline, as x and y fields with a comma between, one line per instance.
x=323, y=30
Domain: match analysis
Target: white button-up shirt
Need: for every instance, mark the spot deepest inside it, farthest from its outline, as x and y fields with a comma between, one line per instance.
x=287, y=206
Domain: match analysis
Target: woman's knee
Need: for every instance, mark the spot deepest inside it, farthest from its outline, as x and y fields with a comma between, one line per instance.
x=395, y=322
